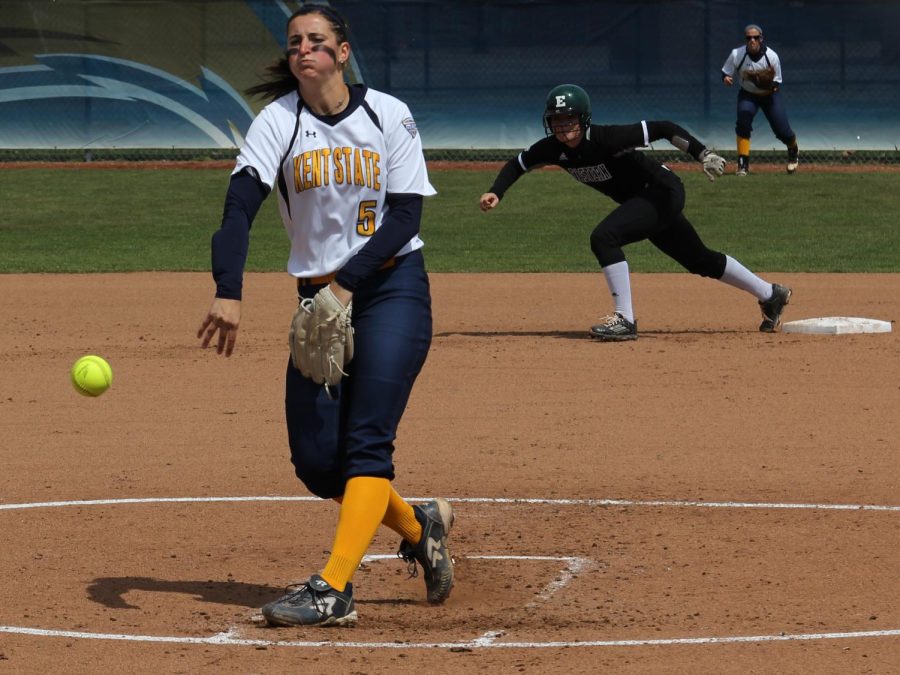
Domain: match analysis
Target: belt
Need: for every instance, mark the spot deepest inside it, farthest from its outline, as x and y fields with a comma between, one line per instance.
x=328, y=278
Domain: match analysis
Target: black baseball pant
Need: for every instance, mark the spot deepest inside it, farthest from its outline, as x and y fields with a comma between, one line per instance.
x=655, y=214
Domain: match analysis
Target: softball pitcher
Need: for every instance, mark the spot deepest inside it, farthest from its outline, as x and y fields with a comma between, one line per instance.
x=350, y=176
x=758, y=70
x=650, y=198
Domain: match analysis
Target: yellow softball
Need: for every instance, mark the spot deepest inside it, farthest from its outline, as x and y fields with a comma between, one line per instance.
x=91, y=375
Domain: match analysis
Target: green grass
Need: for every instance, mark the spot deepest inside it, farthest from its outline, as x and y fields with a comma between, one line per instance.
x=824, y=222
x=98, y=220
x=109, y=220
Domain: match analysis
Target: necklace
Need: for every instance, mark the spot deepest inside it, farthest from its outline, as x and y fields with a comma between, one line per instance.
x=336, y=109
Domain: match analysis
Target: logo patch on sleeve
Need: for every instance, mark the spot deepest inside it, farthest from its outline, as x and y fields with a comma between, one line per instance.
x=410, y=124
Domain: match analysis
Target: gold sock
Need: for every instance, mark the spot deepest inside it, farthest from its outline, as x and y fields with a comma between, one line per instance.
x=363, y=507
x=743, y=145
x=401, y=518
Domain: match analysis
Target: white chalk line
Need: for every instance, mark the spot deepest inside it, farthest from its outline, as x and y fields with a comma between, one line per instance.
x=489, y=639
x=231, y=636
x=470, y=500
x=574, y=565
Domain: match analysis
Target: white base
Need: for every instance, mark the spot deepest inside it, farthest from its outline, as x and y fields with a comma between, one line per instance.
x=837, y=325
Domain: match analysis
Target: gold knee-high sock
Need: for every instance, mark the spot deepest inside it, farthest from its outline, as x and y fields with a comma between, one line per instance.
x=743, y=145
x=363, y=507
x=401, y=518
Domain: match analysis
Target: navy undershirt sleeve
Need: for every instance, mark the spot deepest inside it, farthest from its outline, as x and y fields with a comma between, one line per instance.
x=231, y=241
x=400, y=224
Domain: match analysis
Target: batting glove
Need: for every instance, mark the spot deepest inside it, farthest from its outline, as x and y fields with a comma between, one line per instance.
x=713, y=165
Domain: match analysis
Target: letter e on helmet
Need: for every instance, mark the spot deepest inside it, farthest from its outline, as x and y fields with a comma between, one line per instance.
x=567, y=99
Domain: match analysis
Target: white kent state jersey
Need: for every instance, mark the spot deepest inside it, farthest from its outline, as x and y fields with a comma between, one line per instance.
x=739, y=60
x=336, y=173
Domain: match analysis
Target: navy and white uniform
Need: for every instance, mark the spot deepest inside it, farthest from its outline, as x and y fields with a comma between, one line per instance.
x=740, y=65
x=650, y=196
x=350, y=190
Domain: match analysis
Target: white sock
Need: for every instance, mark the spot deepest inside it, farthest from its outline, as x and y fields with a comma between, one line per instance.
x=740, y=277
x=619, y=284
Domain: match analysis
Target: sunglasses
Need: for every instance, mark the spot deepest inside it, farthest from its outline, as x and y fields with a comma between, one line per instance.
x=748, y=38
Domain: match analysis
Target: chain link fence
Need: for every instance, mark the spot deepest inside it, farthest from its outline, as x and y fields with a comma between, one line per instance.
x=87, y=80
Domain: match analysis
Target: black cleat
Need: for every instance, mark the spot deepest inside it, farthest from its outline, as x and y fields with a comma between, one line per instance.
x=615, y=328
x=773, y=307
x=436, y=518
x=315, y=603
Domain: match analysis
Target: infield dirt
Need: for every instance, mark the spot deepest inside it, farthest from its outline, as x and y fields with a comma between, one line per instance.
x=514, y=402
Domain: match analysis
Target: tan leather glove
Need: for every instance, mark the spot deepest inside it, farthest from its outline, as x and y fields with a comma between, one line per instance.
x=321, y=338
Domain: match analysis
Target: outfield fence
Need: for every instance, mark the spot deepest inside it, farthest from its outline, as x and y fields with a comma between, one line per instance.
x=160, y=78
x=862, y=159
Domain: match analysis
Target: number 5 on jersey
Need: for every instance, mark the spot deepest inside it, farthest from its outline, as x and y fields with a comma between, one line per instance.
x=365, y=225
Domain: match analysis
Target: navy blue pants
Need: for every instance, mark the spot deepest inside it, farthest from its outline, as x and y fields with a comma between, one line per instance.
x=655, y=214
x=353, y=435
x=772, y=106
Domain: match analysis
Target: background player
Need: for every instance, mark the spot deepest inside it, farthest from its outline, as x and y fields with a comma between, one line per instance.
x=759, y=70
x=350, y=174
x=650, y=198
